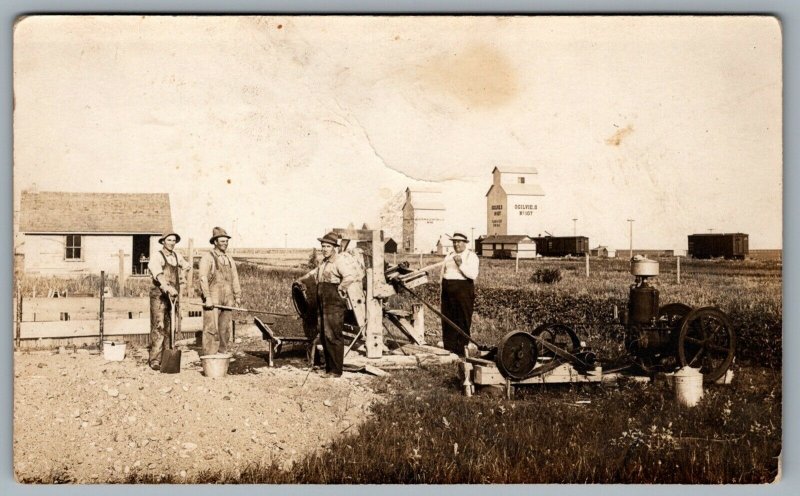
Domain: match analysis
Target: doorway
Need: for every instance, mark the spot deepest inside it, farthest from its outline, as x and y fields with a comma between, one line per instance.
x=141, y=254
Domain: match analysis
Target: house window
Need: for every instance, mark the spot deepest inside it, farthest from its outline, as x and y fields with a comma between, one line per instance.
x=521, y=180
x=73, y=247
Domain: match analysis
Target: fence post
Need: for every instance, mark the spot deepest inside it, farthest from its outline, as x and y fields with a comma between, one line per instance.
x=102, y=304
x=121, y=279
x=420, y=260
x=679, y=269
x=516, y=264
x=19, y=316
x=190, y=275
x=586, y=255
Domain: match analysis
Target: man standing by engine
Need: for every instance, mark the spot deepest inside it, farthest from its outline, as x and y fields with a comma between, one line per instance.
x=334, y=275
x=458, y=293
x=219, y=285
x=167, y=269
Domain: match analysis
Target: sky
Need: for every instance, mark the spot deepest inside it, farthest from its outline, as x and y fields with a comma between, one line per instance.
x=279, y=128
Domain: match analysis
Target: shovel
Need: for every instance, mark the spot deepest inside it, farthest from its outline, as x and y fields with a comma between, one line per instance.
x=171, y=358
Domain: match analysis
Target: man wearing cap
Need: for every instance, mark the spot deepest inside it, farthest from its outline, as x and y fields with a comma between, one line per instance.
x=334, y=275
x=167, y=269
x=458, y=293
x=219, y=285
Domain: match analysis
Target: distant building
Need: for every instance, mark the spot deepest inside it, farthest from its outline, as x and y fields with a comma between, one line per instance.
x=423, y=220
x=82, y=233
x=650, y=253
x=601, y=251
x=508, y=246
x=444, y=245
x=514, y=202
x=390, y=246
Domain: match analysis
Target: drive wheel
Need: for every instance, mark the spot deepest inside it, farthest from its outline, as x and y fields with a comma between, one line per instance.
x=707, y=341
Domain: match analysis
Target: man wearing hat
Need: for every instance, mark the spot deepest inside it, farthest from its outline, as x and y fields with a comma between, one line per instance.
x=167, y=269
x=458, y=293
x=219, y=285
x=334, y=275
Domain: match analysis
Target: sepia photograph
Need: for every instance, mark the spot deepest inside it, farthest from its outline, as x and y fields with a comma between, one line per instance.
x=451, y=249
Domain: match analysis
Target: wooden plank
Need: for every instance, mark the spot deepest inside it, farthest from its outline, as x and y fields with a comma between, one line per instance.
x=86, y=328
x=403, y=325
x=422, y=348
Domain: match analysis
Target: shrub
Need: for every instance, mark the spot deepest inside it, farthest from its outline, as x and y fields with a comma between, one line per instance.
x=547, y=276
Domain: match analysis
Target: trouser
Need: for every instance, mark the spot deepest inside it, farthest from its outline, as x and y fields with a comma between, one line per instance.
x=458, y=299
x=159, y=326
x=331, y=309
x=216, y=336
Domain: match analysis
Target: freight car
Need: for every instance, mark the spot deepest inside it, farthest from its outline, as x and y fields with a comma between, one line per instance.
x=733, y=245
x=561, y=246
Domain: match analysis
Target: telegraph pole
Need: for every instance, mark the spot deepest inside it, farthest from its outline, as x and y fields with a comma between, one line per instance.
x=574, y=227
x=285, y=243
x=472, y=235
x=630, y=221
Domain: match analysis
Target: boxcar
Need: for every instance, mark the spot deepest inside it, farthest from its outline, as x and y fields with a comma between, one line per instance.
x=732, y=245
x=561, y=246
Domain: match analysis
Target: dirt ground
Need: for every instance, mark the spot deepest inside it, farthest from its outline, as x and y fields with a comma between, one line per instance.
x=79, y=418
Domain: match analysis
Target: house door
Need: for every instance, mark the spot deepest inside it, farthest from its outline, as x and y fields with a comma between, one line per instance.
x=141, y=253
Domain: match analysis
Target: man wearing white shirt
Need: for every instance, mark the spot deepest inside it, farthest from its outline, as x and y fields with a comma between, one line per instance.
x=458, y=293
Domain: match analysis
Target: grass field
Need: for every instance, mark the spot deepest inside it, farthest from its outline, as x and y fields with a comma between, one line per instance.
x=428, y=432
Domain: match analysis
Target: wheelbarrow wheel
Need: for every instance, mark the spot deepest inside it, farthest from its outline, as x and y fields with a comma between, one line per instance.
x=707, y=341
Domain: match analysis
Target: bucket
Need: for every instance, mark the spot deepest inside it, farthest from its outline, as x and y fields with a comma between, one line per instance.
x=215, y=365
x=688, y=384
x=113, y=351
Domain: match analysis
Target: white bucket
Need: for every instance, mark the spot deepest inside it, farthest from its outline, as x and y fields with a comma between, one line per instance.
x=113, y=351
x=215, y=365
x=688, y=386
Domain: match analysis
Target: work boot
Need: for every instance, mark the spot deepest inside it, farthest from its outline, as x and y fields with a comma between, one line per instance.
x=155, y=366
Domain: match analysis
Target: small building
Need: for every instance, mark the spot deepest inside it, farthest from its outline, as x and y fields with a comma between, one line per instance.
x=601, y=251
x=423, y=220
x=83, y=233
x=444, y=245
x=478, y=246
x=390, y=246
x=508, y=246
x=514, y=201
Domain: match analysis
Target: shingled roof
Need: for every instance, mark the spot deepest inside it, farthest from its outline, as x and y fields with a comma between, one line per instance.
x=50, y=212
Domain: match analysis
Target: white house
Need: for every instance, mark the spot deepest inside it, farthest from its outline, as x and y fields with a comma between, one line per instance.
x=82, y=233
x=423, y=220
x=508, y=246
x=514, y=201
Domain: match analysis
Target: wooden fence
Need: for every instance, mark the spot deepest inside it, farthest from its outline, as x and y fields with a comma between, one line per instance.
x=48, y=322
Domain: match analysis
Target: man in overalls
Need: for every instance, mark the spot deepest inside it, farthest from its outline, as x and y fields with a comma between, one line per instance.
x=334, y=276
x=167, y=269
x=219, y=285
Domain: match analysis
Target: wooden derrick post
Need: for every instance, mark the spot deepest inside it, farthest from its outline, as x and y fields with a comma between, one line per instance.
x=374, y=332
x=419, y=321
x=121, y=255
x=102, y=304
